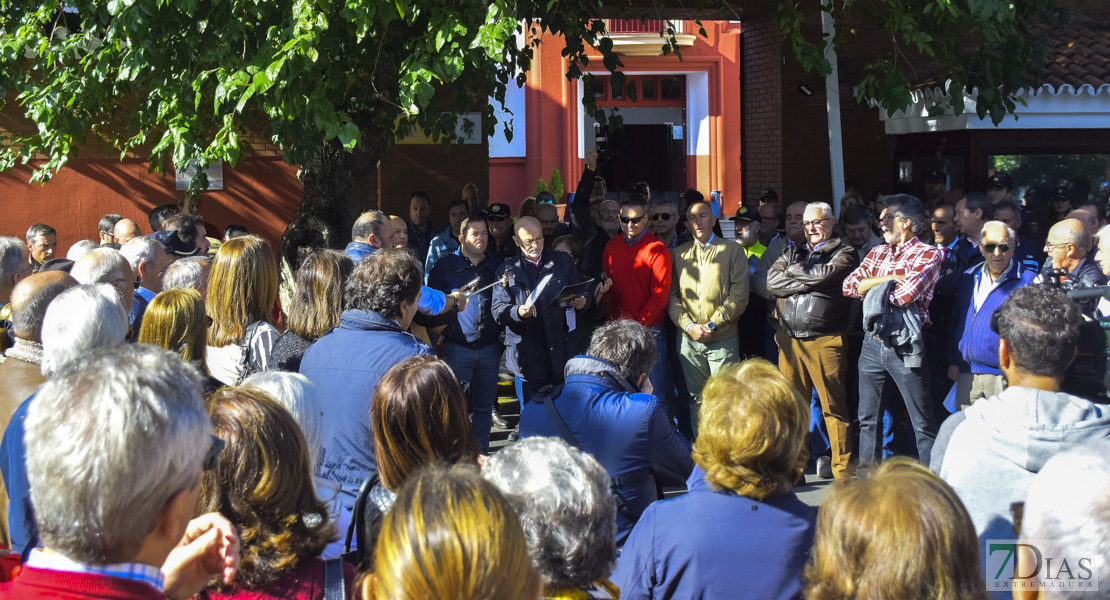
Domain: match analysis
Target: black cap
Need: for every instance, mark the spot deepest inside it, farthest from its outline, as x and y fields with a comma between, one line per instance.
x=936, y=176
x=498, y=212
x=691, y=195
x=746, y=215
x=56, y=264
x=1000, y=180
x=768, y=193
x=1061, y=192
x=173, y=243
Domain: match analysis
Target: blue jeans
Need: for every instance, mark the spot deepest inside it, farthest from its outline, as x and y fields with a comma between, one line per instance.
x=479, y=367
x=878, y=365
x=658, y=374
x=818, y=432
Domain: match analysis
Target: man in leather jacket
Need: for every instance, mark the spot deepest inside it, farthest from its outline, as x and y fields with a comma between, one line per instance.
x=813, y=313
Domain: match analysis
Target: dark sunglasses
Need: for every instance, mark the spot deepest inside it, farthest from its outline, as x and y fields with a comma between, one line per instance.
x=213, y=453
x=664, y=216
x=627, y=220
x=990, y=248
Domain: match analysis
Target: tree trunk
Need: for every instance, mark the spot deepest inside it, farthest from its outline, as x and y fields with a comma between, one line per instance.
x=336, y=191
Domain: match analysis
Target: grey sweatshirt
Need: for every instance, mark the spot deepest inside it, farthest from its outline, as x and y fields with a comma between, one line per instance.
x=989, y=451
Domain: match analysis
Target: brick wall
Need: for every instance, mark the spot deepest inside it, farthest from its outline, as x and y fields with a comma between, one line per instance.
x=429, y=167
x=762, y=125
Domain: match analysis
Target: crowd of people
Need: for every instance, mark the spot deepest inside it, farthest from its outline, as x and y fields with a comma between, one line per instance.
x=171, y=430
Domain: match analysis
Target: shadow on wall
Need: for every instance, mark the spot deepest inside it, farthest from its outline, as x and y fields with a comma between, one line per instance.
x=262, y=193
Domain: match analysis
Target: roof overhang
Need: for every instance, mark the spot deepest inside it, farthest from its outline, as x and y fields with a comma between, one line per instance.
x=1047, y=107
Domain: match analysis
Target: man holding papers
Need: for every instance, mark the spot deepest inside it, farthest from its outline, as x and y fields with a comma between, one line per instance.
x=525, y=307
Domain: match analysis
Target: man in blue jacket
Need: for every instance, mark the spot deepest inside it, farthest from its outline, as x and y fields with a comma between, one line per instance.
x=347, y=363
x=973, y=351
x=471, y=338
x=606, y=405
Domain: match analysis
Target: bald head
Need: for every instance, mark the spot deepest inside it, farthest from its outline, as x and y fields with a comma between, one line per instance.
x=548, y=216
x=1087, y=215
x=31, y=297
x=529, y=236
x=1067, y=244
x=124, y=230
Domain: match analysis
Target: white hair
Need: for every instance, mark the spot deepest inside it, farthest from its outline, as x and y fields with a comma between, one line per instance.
x=185, y=273
x=110, y=440
x=98, y=266
x=80, y=319
x=139, y=250
x=299, y=396
x=80, y=249
x=1103, y=232
x=562, y=497
x=1067, y=513
x=13, y=258
x=1010, y=235
x=826, y=210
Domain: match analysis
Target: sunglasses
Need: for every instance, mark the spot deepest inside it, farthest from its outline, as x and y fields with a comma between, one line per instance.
x=990, y=248
x=213, y=453
x=627, y=220
x=663, y=216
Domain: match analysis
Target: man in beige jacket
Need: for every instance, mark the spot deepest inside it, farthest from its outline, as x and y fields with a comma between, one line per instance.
x=709, y=292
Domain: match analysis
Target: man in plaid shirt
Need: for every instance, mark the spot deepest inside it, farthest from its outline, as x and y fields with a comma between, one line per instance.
x=915, y=266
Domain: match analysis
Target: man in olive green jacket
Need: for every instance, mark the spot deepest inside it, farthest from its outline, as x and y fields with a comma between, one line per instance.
x=709, y=292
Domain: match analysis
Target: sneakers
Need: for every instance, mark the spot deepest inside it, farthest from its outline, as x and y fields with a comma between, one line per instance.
x=824, y=467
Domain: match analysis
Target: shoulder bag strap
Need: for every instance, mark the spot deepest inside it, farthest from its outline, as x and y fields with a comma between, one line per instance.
x=546, y=397
x=245, y=352
x=335, y=585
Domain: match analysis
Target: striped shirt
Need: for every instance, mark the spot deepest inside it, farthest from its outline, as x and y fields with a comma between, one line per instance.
x=49, y=561
x=917, y=261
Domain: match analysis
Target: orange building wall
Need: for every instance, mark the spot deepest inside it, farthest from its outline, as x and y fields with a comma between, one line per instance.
x=262, y=193
x=551, y=117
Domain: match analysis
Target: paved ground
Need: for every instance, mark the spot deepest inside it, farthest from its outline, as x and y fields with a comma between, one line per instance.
x=812, y=493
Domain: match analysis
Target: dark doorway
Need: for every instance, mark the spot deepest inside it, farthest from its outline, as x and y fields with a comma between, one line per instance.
x=647, y=153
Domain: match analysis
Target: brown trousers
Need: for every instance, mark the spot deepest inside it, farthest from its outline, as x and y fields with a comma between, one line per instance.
x=822, y=362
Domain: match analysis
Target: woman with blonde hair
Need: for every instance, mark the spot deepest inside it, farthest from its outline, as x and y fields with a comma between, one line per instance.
x=242, y=289
x=740, y=532
x=900, y=533
x=175, y=320
x=263, y=484
x=317, y=304
x=451, y=536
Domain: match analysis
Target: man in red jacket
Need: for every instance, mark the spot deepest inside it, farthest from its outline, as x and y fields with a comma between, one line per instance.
x=114, y=502
x=640, y=267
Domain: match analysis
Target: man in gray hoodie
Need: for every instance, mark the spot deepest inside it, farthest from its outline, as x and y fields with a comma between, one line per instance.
x=989, y=452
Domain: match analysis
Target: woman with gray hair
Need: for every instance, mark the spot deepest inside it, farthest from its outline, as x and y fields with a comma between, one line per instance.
x=299, y=396
x=562, y=497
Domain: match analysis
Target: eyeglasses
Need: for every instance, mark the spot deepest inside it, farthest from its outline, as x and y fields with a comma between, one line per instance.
x=627, y=220
x=213, y=453
x=663, y=216
x=1049, y=246
x=814, y=223
x=990, y=248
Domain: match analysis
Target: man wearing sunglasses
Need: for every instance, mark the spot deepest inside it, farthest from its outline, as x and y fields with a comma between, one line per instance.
x=664, y=223
x=640, y=267
x=973, y=347
x=114, y=503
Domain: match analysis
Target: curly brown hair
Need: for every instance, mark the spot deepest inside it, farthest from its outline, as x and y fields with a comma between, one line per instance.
x=263, y=484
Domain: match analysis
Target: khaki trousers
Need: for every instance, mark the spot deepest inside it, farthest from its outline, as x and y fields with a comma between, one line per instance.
x=822, y=362
x=973, y=386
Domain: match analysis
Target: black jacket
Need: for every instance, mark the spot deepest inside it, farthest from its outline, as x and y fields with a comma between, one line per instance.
x=545, y=345
x=807, y=288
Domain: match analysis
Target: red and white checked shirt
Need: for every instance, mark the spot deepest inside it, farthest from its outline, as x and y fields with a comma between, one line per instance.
x=918, y=261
